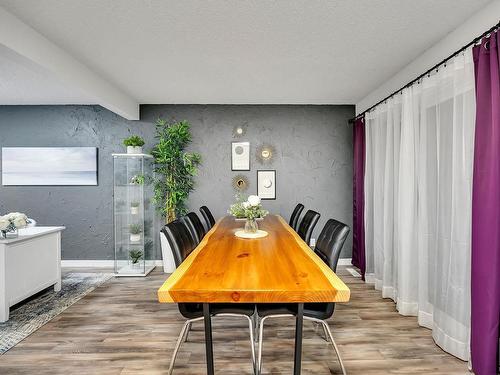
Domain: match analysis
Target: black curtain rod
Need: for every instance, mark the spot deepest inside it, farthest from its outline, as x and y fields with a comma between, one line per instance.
x=474, y=41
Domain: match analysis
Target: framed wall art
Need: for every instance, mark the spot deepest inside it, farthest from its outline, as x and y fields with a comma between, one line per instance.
x=47, y=166
x=266, y=184
x=240, y=156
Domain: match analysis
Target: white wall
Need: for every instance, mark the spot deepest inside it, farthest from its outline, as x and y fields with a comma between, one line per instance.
x=473, y=27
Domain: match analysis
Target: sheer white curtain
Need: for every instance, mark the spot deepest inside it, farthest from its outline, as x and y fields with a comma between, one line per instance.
x=418, y=201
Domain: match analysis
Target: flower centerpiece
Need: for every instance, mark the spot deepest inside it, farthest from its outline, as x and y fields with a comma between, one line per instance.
x=11, y=222
x=251, y=210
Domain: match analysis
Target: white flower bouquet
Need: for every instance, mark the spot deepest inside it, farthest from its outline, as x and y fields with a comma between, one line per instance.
x=12, y=222
x=251, y=209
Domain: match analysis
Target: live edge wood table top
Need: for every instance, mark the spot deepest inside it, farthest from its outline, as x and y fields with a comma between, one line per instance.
x=276, y=268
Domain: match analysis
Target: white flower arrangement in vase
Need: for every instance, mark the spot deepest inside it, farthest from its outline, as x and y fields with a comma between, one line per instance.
x=251, y=210
x=11, y=222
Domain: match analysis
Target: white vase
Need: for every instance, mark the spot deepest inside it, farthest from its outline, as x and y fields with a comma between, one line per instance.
x=135, y=237
x=134, y=210
x=134, y=150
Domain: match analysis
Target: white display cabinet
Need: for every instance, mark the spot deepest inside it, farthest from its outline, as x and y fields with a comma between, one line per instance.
x=134, y=214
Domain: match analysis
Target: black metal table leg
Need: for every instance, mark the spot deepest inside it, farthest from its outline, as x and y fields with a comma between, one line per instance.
x=208, y=339
x=298, y=339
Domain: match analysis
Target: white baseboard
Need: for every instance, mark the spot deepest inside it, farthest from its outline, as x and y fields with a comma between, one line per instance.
x=111, y=263
x=345, y=262
x=94, y=263
x=370, y=278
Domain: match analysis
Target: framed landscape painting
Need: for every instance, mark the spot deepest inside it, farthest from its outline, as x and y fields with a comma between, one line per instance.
x=49, y=166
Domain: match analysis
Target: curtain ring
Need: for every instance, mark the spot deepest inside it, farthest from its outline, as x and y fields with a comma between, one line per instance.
x=487, y=45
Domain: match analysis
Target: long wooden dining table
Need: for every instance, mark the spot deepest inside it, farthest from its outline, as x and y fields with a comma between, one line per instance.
x=279, y=268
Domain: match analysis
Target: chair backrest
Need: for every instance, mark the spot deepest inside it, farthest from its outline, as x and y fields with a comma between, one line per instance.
x=182, y=244
x=328, y=248
x=180, y=240
x=207, y=215
x=195, y=226
x=330, y=242
x=307, y=225
x=294, y=219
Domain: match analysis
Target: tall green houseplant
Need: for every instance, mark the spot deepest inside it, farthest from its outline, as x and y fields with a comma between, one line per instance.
x=174, y=167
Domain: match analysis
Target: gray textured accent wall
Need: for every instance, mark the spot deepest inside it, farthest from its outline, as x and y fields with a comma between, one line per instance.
x=313, y=162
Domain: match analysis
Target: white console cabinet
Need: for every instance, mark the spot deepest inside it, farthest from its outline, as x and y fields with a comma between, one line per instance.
x=28, y=264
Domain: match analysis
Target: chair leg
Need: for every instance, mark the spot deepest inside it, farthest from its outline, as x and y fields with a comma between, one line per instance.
x=332, y=341
x=250, y=326
x=256, y=327
x=177, y=346
x=187, y=331
x=261, y=339
x=261, y=336
x=252, y=344
x=325, y=333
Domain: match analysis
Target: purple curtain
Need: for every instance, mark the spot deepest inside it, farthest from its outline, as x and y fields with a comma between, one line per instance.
x=358, y=220
x=485, y=285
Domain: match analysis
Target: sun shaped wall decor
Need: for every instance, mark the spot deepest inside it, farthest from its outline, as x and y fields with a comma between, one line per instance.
x=265, y=153
x=240, y=183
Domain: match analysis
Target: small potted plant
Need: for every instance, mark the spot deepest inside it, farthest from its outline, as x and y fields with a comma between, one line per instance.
x=137, y=179
x=135, y=232
x=134, y=144
x=134, y=207
x=135, y=256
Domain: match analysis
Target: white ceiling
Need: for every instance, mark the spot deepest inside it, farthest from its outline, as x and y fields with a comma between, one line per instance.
x=24, y=82
x=219, y=51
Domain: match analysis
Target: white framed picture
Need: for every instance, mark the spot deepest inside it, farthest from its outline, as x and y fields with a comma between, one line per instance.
x=47, y=166
x=240, y=156
x=266, y=184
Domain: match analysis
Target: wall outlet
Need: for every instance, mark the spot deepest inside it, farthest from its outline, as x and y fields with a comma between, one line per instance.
x=312, y=243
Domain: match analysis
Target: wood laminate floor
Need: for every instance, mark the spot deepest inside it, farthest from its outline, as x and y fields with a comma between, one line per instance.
x=120, y=328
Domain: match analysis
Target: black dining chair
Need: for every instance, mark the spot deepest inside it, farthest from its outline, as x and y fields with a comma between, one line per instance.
x=182, y=244
x=195, y=226
x=328, y=248
x=207, y=215
x=307, y=225
x=294, y=218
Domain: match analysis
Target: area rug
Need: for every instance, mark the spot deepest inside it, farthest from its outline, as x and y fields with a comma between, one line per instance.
x=27, y=317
